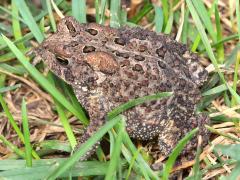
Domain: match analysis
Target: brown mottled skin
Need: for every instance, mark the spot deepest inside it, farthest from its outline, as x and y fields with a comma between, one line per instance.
x=107, y=67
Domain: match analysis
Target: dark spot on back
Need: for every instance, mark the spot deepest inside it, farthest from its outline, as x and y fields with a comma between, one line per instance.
x=139, y=58
x=160, y=52
x=93, y=32
x=124, y=55
x=142, y=48
x=73, y=43
x=119, y=41
x=137, y=67
x=125, y=63
x=153, y=102
x=90, y=81
x=162, y=64
x=131, y=93
x=88, y=49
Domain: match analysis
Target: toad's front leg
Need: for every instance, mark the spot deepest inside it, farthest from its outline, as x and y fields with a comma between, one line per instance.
x=97, y=116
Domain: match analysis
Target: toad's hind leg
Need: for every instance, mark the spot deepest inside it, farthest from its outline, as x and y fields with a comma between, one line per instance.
x=199, y=121
x=168, y=137
x=141, y=127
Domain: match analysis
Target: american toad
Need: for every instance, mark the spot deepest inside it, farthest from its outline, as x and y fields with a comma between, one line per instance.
x=108, y=67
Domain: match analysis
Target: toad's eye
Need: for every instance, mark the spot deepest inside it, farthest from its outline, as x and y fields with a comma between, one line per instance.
x=62, y=61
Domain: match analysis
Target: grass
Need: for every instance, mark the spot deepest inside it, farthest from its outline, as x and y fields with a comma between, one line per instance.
x=198, y=24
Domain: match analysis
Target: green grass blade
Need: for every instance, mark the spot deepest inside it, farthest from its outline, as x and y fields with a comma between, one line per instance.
x=84, y=148
x=223, y=40
x=185, y=27
x=235, y=172
x=26, y=133
x=133, y=160
x=232, y=150
x=10, y=118
x=79, y=10
x=176, y=151
x=215, y=90
x=111, y=141
x=169, y=24
x=29, y=20
x=51, y=17
x=115, y=156
x=44, y=82
x=238, y=18
x=16, y=169
x=220, y=47
x=136, y=102
x=196, y=43
x=128, y=156
x=64, y=120
x=204, y=15
x=102, y=11
x=70, y=135
x=70, y=94
x=55, y=145
x=197, y=174
x=235, y=77
x=165, y=8
x=42, y=25
x=10, y=56
x=158, y=19
x=145, y=10
x=18, y=69
x=229, y=136
x=26, y=37
x=2, y=80
x=9, y=88
x=11, y=13
x=115, y=13
x=16, y=25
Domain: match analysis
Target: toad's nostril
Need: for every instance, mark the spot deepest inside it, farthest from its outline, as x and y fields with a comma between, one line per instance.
x=70, y=27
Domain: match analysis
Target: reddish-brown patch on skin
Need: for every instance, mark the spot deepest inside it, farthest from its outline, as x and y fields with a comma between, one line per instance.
x=102, y=61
